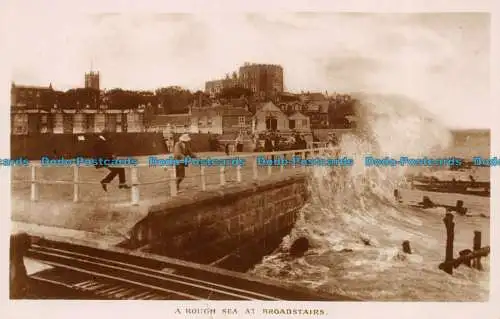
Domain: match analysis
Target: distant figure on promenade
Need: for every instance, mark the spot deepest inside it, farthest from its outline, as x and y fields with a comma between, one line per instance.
x=333, y=140
x=170, y=144
x=226, y=149
x=182, y=149
x=268, y=145
x=103, y=151
x=255, y=143
x=239, y=143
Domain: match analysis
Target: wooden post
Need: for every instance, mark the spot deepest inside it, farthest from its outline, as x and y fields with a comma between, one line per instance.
x=19, y=281
x=406, y=247
x=303, y=155
x=476, y=246
x=134, y=191
x=76, y=186
x=173, y=183
x=463, y=254
x=255, y=169
x=203, y=181
x=238, y=173
x=34, y=186
x=222, y=176
x=450, y=237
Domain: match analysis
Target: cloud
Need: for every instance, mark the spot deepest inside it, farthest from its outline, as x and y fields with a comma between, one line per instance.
x=440, y=60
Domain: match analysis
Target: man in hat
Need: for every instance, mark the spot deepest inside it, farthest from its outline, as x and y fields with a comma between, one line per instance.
x=103, y=153
x=182, y=149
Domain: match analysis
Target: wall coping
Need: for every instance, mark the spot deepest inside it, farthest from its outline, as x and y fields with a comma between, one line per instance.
x=225, y=195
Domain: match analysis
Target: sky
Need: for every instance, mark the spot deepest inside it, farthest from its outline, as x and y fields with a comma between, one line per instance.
x=439, y=60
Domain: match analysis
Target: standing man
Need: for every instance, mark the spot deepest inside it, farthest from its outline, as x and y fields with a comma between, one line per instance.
x=239, y=143
x=103, y=152
x=182, y=149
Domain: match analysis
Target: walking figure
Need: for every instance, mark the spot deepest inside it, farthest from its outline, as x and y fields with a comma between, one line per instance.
x=103, y=152
x=182, y=149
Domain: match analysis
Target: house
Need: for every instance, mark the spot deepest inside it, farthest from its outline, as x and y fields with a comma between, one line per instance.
x=73, y=121
x=172, y=123
x=318, y=114
x=299, y=122
x=221, y=119
x=270, y=117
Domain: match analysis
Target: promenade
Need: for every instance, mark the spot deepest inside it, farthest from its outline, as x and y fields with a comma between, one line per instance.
x=154, y=182
x=50, y=201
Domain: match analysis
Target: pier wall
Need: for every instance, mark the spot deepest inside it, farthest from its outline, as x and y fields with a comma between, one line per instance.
x=231, y=228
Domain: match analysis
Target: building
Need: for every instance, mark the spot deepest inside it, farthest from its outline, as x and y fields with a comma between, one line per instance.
x=264, y=80
x=318, y=113
x=171, y=123
x=72, y=121
x=215, y=87
x=270, y=117
x=299, y=122
x=92, y=80
x=221, y=119
x=32, y=97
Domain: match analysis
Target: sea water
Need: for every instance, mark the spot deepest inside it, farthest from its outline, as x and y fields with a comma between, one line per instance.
x=356, y=229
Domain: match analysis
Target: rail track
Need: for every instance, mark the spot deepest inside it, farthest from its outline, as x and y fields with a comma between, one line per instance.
x=103, y=274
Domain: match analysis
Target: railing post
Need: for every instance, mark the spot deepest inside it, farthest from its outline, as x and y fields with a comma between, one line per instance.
x=34, y=186
x=238, y=173
x=282, y=166
x=173, y=183
x=203, y=181
x=76, y=186
x=255, y=169
x=134, y=191
x=303, y=155
x=270, y=168
x=222, y=176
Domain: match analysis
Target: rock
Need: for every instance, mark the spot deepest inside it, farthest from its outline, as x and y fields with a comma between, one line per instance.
x=299, y=247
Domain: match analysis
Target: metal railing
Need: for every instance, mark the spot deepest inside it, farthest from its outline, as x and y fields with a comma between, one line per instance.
x=134, y=176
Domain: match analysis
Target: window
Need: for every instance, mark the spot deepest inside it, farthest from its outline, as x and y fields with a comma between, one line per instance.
x=241, y=120
x=292, y=124
x=304, y=123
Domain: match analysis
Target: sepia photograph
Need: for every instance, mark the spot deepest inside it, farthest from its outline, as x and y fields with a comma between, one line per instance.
x=291, y=156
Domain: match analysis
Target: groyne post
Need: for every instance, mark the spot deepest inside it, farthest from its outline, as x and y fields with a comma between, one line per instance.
x=406, y=247
x=450, y=237
x=477, y=246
